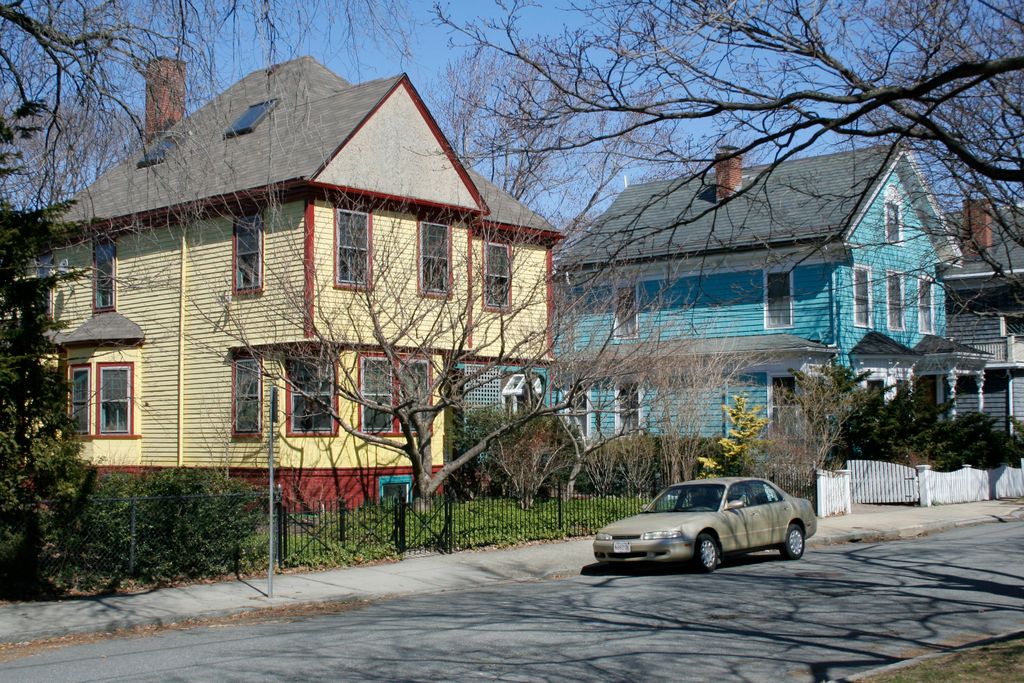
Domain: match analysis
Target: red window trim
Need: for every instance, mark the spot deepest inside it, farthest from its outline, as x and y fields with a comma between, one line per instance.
x=113, y=277
x=351, y=286
x=288, y=403
x=234, y=366
x=419, y=263
x=71, y=395
x=99, y=433
x=508, y=295
x=235, y=289
x=395, y=430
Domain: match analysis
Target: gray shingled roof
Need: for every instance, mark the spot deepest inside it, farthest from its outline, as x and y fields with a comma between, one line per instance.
x=931, y=343
x=505, y=208
x=756, y=343
x=878, y=344
x=1006, y=250
x=102, y=329
x=316, y=111
x=801, y=199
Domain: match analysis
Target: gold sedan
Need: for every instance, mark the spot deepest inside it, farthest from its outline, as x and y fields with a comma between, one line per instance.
x=706, y=519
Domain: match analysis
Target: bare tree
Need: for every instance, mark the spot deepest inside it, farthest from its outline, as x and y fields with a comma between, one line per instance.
x=814, y=416
x=489, y=104
x=777, y=78
x=530, y=456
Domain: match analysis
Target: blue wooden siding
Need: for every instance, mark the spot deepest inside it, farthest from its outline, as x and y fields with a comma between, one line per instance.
x=731, y=303
x=913, y=255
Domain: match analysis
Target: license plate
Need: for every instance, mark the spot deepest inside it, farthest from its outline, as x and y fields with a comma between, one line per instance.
x=620, y=546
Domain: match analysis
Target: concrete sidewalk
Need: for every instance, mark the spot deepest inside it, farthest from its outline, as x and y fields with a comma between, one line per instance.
x=24, y=622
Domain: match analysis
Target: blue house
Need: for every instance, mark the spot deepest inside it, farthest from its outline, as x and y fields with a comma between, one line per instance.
x=780, y=268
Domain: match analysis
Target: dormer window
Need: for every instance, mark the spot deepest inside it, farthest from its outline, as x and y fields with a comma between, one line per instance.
x=157, y=152
x=247, y=122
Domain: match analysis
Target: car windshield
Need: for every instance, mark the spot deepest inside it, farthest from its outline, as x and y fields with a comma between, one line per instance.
x=689, y=498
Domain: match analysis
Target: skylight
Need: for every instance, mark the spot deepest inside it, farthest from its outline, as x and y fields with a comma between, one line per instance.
x=156, y=152
x=247, y=122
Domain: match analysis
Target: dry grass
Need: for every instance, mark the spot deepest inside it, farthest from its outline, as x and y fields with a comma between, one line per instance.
x=995, y=663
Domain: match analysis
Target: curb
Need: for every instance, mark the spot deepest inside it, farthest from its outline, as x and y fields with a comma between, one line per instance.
x=127, y=625
x=908, y=532
x=906, y=663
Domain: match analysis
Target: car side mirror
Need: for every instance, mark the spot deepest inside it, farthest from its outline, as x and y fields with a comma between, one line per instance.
x=734, y=505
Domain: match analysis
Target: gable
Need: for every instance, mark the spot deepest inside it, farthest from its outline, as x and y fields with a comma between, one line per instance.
x=398, y=152
x=920, y=245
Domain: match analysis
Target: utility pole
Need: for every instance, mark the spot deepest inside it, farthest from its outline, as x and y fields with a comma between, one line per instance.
x=270, y=469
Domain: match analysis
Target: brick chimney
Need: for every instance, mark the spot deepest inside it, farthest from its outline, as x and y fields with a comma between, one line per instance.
x=728, y=171
x=165, y=95
x=977, y=225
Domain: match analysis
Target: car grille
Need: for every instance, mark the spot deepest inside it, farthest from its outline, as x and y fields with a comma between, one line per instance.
x=626, y=538
x=626, y=556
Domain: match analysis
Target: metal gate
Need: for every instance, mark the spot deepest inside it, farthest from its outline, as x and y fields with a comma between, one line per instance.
x=874, y=481
x=424, y=526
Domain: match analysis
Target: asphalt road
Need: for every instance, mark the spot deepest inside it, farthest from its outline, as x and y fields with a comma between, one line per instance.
x=838, y=611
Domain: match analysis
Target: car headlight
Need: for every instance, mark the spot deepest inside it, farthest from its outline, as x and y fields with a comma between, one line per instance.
x=603, y=537
x=661, y=535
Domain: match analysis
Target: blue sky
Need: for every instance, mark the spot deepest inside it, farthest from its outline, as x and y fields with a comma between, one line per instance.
x=320, y=31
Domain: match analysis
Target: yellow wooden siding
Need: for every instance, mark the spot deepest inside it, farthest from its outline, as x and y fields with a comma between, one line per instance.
x=147, y=289
x=406, y=318
x=105, y=450
x=217, y=321
x=521, y=330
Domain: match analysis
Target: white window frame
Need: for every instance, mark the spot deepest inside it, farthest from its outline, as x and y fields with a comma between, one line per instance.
x=625, y=327
x=867, y=284
x=580, y=411
x=926, y=285
x=767, y=313
x=893, y=198
x=619, y=427
x=515, y=391
x=901, y=279
x=771, y=394
x=365, y=250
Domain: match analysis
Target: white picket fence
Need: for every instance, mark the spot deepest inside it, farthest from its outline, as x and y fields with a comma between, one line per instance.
x=872, y=481
x=876, y=482
x=968, y=485
x=834, y=493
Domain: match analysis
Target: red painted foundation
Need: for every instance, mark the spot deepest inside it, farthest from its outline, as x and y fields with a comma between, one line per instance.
x=353, y=485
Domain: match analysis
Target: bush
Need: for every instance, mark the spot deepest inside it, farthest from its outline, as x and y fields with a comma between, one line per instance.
x=970, y=439
x=188, y=523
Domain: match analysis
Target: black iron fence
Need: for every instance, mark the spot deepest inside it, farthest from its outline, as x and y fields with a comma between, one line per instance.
x=328, y=532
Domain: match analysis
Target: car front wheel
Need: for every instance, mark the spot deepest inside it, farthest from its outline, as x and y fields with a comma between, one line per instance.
x=706, y=553
x=793, y=548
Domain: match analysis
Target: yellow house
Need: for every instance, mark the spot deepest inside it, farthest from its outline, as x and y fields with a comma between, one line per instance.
x=302, y=236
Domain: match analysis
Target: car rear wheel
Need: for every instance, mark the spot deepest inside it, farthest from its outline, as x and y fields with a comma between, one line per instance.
x=706, y=553
x=793, y=548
